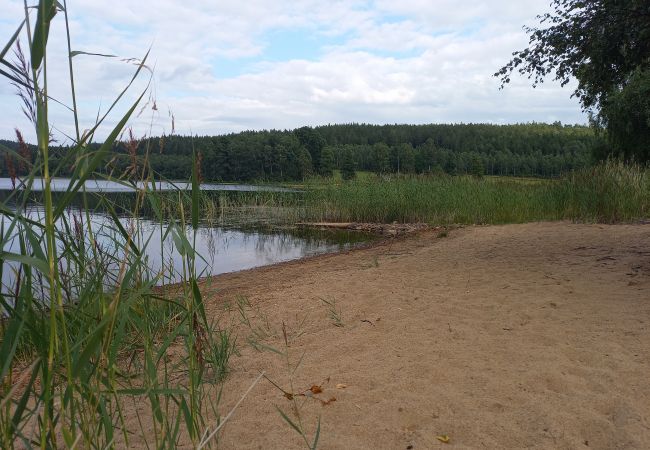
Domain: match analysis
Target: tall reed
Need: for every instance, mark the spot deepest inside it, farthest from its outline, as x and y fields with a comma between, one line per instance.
x=609, y=192
x=92, y=353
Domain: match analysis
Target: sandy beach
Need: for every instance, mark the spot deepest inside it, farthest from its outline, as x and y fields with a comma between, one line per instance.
x=515, y=336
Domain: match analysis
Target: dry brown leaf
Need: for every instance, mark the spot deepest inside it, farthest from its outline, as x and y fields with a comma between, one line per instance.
x=331, y=400
x=316, y=389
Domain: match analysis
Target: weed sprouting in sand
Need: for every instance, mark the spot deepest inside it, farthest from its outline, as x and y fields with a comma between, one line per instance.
x=333, y=313
x=297, y=399
x=259, y=331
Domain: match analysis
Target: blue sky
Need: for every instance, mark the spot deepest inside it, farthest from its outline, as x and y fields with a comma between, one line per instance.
x=223, y=66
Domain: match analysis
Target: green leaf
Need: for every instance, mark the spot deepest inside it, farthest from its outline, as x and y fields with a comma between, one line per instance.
x=183, y=245
x=46, y=12
x=79, y=52
x=14, y=79
x=29, y=260
x=198, y=299
x=258, y=345
x=123, y=232
x=35, y=243
x=286, y=418
x=92, y=346
x=145, y=391
x=81, y=175
x=315, y=444
x=12, y=40
x=11, y=338
x=189, y=423
x=27, y=394
x=99, y=121
x=195, y=192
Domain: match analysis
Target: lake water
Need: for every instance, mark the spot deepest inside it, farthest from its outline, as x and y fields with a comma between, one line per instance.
x=61, y=184
x=222, y=249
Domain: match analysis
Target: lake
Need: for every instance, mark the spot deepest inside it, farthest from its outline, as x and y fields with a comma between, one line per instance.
x=222, y=248
x=105, y=186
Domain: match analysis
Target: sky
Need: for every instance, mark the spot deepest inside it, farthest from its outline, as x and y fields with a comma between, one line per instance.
x=221, y=66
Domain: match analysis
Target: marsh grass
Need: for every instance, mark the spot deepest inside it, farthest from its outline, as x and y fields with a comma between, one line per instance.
x=609, y=192
x=92, y=353
x=242, y=209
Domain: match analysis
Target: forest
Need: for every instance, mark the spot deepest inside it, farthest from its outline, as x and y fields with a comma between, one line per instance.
x=535, y=149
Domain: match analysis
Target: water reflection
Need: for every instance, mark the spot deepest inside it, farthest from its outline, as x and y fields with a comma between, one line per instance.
x=221, y=249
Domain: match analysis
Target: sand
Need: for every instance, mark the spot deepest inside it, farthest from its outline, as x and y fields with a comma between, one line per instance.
x=516, y=336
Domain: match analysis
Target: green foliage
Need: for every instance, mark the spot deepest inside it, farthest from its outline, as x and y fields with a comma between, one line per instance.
x=476, y=167
x=609, y=192
x=85, y=333
x=327, y=162
x=605, y=45
x=382, y=157
x=348, y=166
x=404, y=158
x=599, y=42
x=627, y=116
x=310, y=139
x=519, y=150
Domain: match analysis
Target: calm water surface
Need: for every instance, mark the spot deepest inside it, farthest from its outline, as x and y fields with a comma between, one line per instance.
x=221, y=249
x=61, y=184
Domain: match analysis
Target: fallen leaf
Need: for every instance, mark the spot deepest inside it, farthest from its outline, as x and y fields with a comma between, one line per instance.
x=443, y=438
x=288, y=395
x=331, y=400
x=341, y=386
x=316, y=389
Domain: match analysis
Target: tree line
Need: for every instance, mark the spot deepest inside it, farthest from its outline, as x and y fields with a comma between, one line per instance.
x=543, y=150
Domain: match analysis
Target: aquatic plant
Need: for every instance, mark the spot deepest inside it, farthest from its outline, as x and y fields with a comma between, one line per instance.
x=91, y=351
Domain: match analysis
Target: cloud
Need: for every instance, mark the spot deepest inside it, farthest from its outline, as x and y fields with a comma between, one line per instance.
x=296, y=63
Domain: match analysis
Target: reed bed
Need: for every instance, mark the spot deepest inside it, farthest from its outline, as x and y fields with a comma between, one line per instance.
x=608, y=192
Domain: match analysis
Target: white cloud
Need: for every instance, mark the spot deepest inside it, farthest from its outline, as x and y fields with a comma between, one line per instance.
x=413, y=61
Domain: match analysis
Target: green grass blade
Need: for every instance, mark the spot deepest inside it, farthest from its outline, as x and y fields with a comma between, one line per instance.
x=46, y=12
x=314, y=445
x=195, y=192
x=13, y=78
x=289, y=421
x=83, y=173
x=92, y=345
x=24, y=399
x=123, y=232
x=11, y=41
x=24, y=259
x=79, y=52
x=10, y=340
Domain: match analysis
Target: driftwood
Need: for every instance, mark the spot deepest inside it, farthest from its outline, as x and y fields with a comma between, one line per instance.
x=384, y=229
